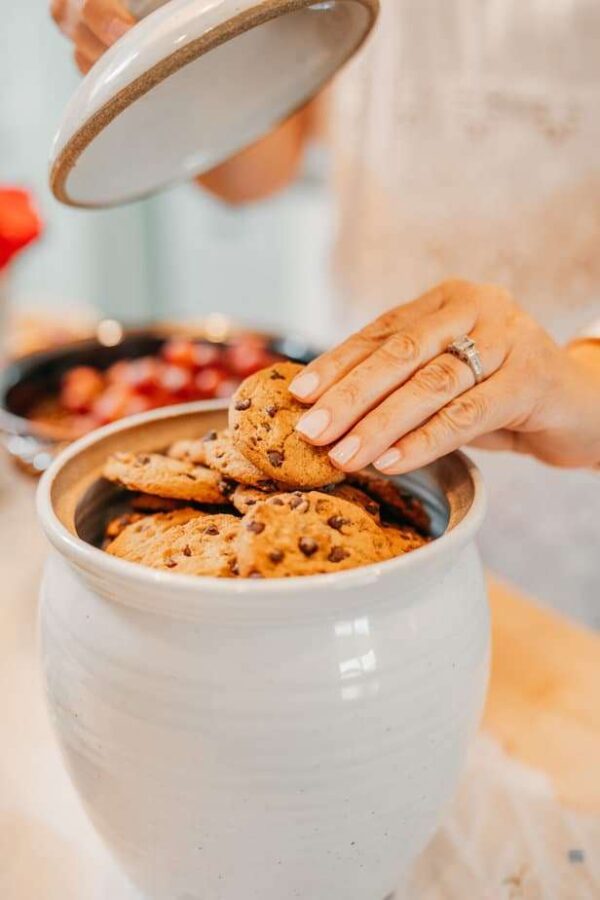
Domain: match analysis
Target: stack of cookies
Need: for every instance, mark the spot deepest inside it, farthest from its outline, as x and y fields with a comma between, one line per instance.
x=256, y=500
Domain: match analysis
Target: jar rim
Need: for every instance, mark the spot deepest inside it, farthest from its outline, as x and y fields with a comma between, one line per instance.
x=69, y=473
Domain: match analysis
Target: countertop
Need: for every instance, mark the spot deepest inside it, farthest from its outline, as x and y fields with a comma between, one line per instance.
x=539, y=750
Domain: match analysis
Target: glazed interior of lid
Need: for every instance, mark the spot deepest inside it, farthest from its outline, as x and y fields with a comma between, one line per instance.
x=208, y=99
x=80, y=495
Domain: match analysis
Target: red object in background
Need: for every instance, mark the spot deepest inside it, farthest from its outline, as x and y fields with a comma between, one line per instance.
x=80, y=388
x=182, y=370
x=20, y=223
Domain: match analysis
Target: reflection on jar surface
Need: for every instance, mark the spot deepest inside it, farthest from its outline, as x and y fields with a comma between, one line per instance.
x=467, y=141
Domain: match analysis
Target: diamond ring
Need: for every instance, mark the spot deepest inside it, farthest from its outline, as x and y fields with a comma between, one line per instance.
x=465, y=349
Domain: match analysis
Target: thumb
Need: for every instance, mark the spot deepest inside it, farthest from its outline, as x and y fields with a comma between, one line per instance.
x=107, y=19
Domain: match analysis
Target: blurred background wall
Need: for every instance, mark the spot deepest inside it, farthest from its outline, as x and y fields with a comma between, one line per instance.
x=180, y=254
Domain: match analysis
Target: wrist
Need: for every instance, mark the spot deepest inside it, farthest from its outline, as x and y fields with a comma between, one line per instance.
x=583, y=397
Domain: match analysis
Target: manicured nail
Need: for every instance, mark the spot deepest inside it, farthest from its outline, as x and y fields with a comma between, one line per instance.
x=388, y=459
x=116, y=28
x=345, y=450
x=314, y=423
x=304, y=384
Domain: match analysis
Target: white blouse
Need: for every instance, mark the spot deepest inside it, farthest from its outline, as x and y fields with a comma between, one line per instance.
x=466, y=139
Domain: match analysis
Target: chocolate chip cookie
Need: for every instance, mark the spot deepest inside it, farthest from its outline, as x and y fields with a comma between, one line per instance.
x=154, y=473
x=262, y=420
x=403, y=540
x=150, y=503
x=245, y=497
x=392, y=498
x=184, y=541
x=190, y=451
x=118, y=524
x=307, y=534
x=224, y=457
x=355, y=495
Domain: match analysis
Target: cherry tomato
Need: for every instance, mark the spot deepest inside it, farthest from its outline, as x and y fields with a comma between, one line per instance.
x=80, y=388
x=207, y=381
x=113, y=403
x=206, y=355
x=180, y=352
x=177, y=382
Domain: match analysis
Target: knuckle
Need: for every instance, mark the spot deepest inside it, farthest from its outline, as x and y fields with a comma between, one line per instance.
x=382, y=327
x=401, y=348
x=347, y=393
x=465, y=413
x=439, y=378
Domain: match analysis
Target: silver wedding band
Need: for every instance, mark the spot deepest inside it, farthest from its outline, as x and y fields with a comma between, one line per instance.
x=465, y=349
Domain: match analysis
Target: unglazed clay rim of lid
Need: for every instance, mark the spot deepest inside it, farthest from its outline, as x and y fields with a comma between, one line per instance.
x=465, y=495
x=245, y=21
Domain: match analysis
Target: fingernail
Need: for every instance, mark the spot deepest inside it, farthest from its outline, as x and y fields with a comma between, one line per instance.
x=304, y=384
x=314, y=423
x=116, y=28
x=388, y=459
x=345, y=450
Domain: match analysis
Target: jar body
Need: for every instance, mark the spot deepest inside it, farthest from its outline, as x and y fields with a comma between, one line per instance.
x=266, y=757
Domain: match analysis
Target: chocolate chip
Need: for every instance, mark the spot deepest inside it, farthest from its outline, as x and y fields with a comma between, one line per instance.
x=272, y=411
x=233, y=567
x=210, y=436
x=250, y=502
x=212, y=529
x=255, y=527
x=300, y=503
x=187, y=551
x=276, y=458
x=277, y=501
x=227, y=486
x=337, y=554
x=170, y=563
x=143, y=460
x=337, y=522
x=308, y=546
x=277, y=376
x=241, y=405
x=276, y=556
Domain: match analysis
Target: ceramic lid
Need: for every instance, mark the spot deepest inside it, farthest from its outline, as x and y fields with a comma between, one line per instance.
x=193, y=83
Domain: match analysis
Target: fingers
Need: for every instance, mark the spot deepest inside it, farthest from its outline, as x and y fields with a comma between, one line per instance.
x=330, y=367
x=422, y=396
x=83, y=62
x=92, y=25
x=87, y=44
x=108, y=20
x=387, y=368
x=486, y=408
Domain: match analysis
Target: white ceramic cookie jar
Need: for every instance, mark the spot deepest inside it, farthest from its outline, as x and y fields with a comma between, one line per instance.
x=261, y=740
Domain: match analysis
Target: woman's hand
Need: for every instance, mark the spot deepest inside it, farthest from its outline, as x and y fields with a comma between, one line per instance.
x=92, y=25
x=398, y=399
